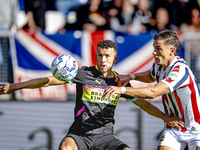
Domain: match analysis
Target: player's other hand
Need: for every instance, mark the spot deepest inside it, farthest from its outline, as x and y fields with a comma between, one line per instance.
x=122, y=80
x=111, y=90
x=5, y=88
x=175, y=122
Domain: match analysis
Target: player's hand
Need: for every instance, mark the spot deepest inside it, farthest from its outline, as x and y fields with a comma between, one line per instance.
x=35, y=29
x=175, y=122
x=122, y=80
x=5, y=88
x=111, y=90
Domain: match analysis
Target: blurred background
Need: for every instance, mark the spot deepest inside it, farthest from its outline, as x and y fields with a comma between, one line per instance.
x=34, y=32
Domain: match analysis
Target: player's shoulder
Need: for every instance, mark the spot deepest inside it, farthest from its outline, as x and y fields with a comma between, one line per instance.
x=83, y=71
x=82, y=68
x=86, y=68
x=179, y=63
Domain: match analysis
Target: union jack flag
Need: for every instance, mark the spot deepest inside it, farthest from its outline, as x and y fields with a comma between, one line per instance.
x=34, y=53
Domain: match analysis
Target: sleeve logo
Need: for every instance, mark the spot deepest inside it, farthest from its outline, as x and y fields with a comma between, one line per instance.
x=174, y=75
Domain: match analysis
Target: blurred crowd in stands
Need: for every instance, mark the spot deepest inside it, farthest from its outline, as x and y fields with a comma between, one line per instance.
x=126, y=16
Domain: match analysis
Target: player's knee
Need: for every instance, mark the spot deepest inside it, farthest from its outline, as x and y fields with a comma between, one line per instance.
x=67, y=144
x=63, y=147
x=164, y=148
x=123, y=147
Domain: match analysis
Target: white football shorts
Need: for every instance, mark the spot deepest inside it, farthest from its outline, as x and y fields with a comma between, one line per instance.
x=179, y=139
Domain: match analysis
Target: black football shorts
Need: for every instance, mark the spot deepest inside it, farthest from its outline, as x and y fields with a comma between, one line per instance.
x=104, y=141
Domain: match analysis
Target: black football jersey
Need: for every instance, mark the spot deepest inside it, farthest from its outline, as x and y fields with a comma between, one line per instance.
x=93, y=113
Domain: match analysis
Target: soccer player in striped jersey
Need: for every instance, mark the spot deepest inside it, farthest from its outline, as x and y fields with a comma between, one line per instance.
x=178, y=87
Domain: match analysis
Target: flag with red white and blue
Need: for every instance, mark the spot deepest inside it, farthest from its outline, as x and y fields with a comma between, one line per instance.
x=34, y=54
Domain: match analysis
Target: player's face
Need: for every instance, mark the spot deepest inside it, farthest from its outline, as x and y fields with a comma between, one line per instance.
x=163, y=54
x=105, y=60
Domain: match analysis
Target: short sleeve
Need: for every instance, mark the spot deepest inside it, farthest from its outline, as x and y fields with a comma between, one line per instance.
x=28, y=5
x=81, y=75
x=177, y=78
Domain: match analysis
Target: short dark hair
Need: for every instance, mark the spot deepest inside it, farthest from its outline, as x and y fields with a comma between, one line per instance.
x=170, y=38
x=108, y=44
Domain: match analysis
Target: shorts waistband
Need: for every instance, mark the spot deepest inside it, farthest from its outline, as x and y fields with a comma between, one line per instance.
x=182, y=129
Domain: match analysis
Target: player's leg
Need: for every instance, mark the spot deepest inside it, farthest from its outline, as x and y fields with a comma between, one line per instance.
x=123, y=147
x=126, y=148
x=194, y=143
x=164, y=148
x=68, y=143
x=108, y=141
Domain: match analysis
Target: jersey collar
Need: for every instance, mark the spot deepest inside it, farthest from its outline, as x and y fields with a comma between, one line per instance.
x=111, y=70
x=171, y=65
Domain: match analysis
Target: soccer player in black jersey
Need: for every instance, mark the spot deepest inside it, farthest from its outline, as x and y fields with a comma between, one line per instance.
x=94, y=115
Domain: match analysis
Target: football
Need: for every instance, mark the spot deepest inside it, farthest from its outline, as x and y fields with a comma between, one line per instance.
x=64, y=67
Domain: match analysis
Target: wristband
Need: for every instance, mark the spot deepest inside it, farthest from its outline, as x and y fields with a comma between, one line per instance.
x=132, y=100
x=123, y=89
x=132, y=76
x=70, y=82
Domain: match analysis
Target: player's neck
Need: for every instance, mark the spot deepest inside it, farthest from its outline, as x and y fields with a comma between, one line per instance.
x=108, y=74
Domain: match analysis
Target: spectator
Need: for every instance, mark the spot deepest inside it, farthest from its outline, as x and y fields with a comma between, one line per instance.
x=35, y=11
x=124, y=21
x=90, y=17
x=193, y=27
x=114, y=7
x=161, y=21
x=188, y=8
x=194, y=24
x=8, y=11
x=175, y=10
x=8, y=21
x=65, y=6
x=143, y=14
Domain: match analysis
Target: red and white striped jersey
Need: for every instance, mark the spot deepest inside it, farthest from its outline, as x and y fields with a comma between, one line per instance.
x=184, y=99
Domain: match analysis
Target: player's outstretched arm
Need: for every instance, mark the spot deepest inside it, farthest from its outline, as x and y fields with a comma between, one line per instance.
x=144, y=92
x=123, y=80
x=144, y=77
x=30, y=84
x=174, y=122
